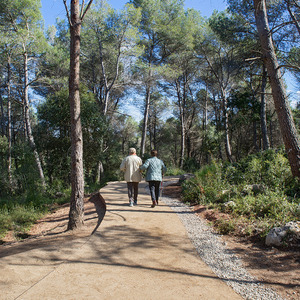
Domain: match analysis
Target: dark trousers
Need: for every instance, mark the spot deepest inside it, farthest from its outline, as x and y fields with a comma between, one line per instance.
x=133, y=189
x=154, y=190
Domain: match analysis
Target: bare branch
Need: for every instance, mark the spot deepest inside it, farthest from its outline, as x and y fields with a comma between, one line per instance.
x=253, y=58
x=289, y=67
x=276, y=28
x=68, y=14
x=87, y=8
x=81, y=12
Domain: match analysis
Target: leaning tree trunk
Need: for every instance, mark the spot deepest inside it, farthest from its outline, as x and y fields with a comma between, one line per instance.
x=145, y=122
x=76, y=214
x=27, y=122
x=286, y=122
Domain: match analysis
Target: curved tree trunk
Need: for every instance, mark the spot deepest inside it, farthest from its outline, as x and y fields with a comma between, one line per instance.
x=286, y=122
x=227, y=139
x=27, y=122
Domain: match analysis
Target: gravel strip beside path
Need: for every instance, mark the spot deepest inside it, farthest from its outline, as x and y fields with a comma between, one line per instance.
x=214, y=253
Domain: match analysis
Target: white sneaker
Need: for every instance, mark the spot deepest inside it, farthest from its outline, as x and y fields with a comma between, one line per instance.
x=130, y=203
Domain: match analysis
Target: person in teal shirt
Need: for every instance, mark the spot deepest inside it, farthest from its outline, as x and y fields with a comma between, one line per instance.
x=155, y=168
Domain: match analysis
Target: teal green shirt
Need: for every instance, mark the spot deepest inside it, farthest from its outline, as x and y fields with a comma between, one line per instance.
x=154, y=168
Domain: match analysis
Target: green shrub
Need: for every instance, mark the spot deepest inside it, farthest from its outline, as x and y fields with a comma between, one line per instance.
x=23, y=216
x=5, y=221
x=192, y=191
x=173, y=171
x=225, y=226
x=270, y=168
x=254, y=212
x=271, y=204
x=206, y=187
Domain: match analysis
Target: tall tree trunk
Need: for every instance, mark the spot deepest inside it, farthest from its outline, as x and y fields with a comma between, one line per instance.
x=155, y=132
x=27, y=121
x=182, y=140
x=181, y=105
x=255, y=145
x=100, y=171
x=9, y=125
x=2, y=123
x=286, y=122
x=227, y=139
x=150, y=130
x=204, y=126
x=145, y=122
x=263, y=111
x=76, y=214
x=226, y=127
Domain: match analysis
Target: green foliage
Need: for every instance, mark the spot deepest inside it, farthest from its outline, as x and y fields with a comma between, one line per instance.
x=19, y=218
x=173, y=171
x=225, y=226
x=259, y=192
x=269, y=168
x=3, y=145
x=206, y=186
x=191, y=165
x=19, y=213
x=5, y=221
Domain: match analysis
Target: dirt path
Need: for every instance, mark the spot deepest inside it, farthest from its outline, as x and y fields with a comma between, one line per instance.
x=136, y=253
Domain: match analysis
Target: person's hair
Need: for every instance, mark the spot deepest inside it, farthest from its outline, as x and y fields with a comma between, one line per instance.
x=132, y=150
x=153, y=152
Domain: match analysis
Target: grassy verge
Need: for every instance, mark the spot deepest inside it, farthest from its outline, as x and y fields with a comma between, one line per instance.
x=18, y=214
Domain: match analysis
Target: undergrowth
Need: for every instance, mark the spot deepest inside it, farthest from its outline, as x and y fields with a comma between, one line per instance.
x=258, y=193
x=19, y=213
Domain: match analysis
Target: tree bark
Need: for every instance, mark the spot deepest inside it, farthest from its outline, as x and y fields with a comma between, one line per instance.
x=100, y=171
x=226, y=125
x=76, y=213
x=286, y=122
x=181, y=106
x=263, y=113
x=145, y=122
x=255, y=144
x=9, y=125
x=2, y=123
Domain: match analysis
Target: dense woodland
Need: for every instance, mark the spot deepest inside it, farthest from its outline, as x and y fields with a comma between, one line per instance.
x=209, y=89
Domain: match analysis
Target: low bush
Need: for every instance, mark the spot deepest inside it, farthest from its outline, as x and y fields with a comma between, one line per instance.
x=259, y=192
x=173, y=171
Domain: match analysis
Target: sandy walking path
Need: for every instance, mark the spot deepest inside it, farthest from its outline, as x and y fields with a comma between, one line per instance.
x=137, y=253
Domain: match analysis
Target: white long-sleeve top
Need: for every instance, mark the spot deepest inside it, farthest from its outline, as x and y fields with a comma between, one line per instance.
x=131, y=166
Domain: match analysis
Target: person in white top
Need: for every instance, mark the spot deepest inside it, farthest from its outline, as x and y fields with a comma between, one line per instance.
x=131, y=168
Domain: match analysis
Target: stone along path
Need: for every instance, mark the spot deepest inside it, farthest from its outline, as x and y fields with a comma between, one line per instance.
x=136, y=253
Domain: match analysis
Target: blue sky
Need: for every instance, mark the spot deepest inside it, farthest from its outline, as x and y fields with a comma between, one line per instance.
x=52, y=9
